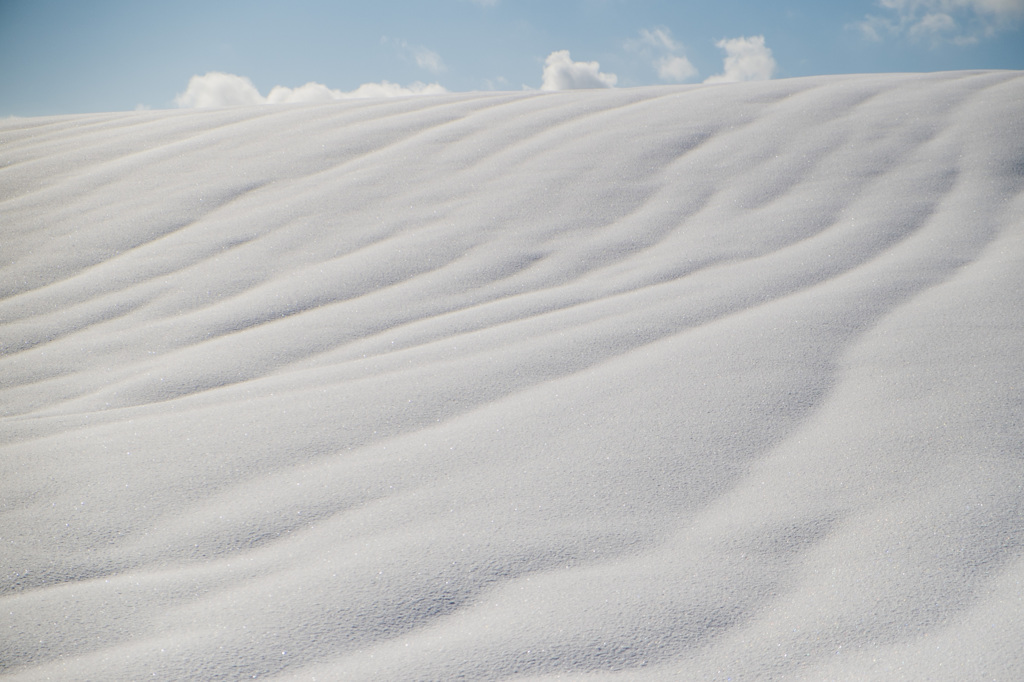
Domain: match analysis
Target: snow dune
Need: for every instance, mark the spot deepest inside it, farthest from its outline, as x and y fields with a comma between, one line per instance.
x=664, y=383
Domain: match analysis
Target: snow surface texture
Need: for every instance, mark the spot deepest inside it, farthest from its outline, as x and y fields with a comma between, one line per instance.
x=683, y=382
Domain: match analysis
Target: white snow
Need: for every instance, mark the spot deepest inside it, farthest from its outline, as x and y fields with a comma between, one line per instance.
x=684, y=382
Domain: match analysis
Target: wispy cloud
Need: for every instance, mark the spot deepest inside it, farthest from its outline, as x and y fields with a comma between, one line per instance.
x=660, y=38
x=562, y=73
x=424, y=57
x=960, y=22
x=430, y=60
x=216, y=89
x=666, y=54
x=746, y=59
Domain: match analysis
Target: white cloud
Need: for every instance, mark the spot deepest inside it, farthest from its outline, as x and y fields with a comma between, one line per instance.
x=562, y=73
x=675, y=68
x=217, y=89
x=933, y=23
x=665, y=54
x=387, y=89
x=960, y=22
x=498, y=83
x=425, y=58
x=310, y=92
x=746, y=59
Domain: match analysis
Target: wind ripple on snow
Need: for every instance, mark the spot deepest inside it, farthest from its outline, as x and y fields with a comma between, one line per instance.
x=496, y=385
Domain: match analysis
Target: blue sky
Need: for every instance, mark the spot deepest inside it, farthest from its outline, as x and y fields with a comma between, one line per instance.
x=60, y=56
